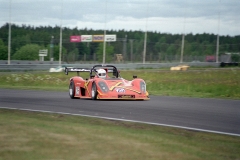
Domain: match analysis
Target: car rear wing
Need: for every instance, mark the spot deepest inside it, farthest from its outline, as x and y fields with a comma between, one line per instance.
x=72, y=69
x=108, y=68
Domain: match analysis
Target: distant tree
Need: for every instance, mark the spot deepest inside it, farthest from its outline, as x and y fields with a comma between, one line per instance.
x=3, y=51
x=187, y=48
x=93, y=48
x=109, y=53
x=56, y=52
x=27, y=52
x=83, y=49
x=235, y=58
x=171, y=50
x=163, y=44
x=20, y=41
x=139, y=48
x=71, y=56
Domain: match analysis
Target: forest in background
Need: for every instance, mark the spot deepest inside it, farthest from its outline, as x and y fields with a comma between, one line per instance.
x=26, y=41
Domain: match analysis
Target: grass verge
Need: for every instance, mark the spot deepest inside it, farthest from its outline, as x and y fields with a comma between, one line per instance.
x=42, y=136
x=30, y=135
x=205, y=83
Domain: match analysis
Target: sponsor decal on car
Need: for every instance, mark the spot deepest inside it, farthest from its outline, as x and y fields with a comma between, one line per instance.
x=77, y=90
x=115, y=86
x=79, y=70
x=120, y=90
x=86, y=87
x=126, y=96
x=86, y=84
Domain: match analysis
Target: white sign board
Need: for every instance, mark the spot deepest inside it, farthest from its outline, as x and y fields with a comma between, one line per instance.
x=86, y=38
x=43, y=52
x=110, y=38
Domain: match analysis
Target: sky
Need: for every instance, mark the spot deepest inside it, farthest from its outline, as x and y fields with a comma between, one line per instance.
x=165, y=16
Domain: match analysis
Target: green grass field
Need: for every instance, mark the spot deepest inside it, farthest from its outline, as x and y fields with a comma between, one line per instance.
x=44, y=136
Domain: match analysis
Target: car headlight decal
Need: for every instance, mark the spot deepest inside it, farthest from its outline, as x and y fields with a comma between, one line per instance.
x=143, y=86
x=103, y=86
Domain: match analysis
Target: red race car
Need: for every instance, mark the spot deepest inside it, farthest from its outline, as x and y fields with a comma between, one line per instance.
x=105, y=82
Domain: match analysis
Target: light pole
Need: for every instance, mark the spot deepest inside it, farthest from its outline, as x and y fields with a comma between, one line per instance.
x=125, y=48
x=183, y=38
x=144, y=47
x=131, y=42
x=104, y=47
x=217, y=46
x=60, y=41
x=104, y=42
x=182, y=49
x=9, y=32
x=145, y=37
x=51, y=48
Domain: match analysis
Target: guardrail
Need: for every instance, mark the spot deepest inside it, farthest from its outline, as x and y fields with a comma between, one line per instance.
x=46, y=65
x=229, y=64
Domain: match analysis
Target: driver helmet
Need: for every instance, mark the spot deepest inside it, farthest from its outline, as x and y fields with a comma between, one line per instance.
x=101, y=73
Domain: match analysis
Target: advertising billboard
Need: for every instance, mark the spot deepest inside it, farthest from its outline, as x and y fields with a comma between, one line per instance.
x=86, y=38
x=98, y=38
x=93, y=38
x=75, y=39
x=110, y=38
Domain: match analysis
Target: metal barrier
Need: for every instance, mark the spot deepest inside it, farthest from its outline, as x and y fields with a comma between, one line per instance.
x=34, y=66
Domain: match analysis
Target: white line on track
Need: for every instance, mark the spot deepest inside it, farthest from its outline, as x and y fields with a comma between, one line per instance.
x=126, y=120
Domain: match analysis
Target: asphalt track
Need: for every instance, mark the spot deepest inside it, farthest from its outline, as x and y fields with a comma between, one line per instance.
x=199, y=114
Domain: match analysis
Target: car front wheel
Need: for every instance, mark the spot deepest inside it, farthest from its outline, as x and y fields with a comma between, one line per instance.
x=94, y=91
x=71, y=90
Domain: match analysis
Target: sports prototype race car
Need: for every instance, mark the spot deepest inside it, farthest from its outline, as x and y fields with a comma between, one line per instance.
x=105, y=82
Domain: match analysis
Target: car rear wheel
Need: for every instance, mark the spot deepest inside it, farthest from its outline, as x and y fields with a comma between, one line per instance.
x=94, y=91
x=71, y=90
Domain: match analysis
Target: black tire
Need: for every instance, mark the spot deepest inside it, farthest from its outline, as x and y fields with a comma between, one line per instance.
x=72, y=90
x=94, y=91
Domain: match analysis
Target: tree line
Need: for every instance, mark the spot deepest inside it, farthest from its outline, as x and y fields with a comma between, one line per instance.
x=27, y=40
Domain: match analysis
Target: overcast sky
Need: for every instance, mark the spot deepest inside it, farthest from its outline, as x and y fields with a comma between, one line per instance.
x=165, y=16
